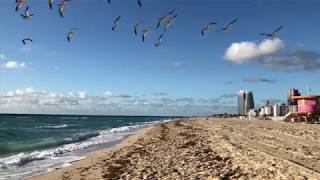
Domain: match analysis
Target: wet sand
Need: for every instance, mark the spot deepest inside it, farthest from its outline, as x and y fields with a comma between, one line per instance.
x=206, y=149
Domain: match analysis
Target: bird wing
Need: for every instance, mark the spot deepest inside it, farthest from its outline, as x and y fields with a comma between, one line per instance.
x=18, y=6
x=139, y=3
x=279, y=28
x=174, y=16
x=171, y=12
x=160, y=37
x=232, y=22
x=70, y=34
x=61, y=11
x=158, y=24
x=265, y=34
x=135, y=29
x=203, y=31
x=25, y=39
x=50, y=4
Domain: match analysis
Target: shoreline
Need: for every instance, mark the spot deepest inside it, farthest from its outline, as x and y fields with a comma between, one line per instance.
x=206, y=149
x=47, y=160
x=84, y=155
x=93, y=154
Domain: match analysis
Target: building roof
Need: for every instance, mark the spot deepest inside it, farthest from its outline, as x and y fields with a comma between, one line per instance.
x=305, y=97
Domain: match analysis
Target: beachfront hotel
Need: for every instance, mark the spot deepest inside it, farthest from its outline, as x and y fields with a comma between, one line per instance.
x=245, y=102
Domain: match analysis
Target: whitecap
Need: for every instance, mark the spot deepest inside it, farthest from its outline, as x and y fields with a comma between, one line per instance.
x=53, y=126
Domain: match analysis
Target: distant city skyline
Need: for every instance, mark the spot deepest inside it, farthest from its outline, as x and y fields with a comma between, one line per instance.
x=106, y=72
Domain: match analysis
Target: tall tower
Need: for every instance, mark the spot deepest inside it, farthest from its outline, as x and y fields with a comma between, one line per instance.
x=250, y=101
x=245, y=102
x=292, y=103
x=241, y=102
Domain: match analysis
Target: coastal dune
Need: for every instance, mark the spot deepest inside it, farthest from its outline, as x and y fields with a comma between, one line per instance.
x=202, y=148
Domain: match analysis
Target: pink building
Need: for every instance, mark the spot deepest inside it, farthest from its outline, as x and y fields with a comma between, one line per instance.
x=307, y=104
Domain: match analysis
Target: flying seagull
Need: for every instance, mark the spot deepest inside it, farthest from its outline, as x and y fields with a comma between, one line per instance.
x=165, y=18
x=24, y=41
x=19, y=4
x=50, y=2
x=136, y=27
x=227, y=27
x=70, y=34
x=169, y=22
x=159, y=41
x=26, y=15
x=207, y=27
x=145, y=32
x=61, y=7
x=272, y=34
x=172, y=11
x=116, y=23
x=139, y=3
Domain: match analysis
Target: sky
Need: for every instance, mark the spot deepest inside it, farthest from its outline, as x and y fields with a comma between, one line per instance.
x=115, y=73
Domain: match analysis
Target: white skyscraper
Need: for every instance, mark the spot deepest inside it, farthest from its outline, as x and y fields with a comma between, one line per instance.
x=245, y=102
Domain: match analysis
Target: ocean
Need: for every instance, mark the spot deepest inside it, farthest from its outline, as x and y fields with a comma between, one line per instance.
x=34, y=144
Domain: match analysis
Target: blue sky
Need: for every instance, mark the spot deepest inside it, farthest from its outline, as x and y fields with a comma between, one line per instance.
x=156, y=81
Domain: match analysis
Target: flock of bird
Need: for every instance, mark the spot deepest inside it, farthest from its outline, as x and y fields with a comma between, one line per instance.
x=165, y=20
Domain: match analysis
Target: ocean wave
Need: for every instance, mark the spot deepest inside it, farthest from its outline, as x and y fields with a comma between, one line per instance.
x=53, y=126
x=75, y=143
x=23, y=117
x=73, y=117
x=68, y=146
x=23, y=158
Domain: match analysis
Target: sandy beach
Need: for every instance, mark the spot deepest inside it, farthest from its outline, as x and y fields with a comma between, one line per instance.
x=206, y=149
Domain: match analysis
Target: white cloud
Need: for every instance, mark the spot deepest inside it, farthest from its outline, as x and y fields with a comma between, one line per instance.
x=13, y=65
x=112, y=95
x=83, y=94
x=2, y=56
x=241, y=52
x=108, y=94
x=30, y=100
x=20, y=92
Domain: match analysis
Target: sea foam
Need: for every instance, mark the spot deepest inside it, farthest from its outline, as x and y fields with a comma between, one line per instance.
x=37, y=162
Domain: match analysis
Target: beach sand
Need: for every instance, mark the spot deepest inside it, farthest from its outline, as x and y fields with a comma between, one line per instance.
x=206, y=149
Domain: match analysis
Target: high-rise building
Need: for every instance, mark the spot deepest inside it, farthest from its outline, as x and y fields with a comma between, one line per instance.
x=276, y=110
x=293, y=92
x=268, y=102
x=241, y=98
x=245, y=102
x=293, y=103
x=283, y=109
